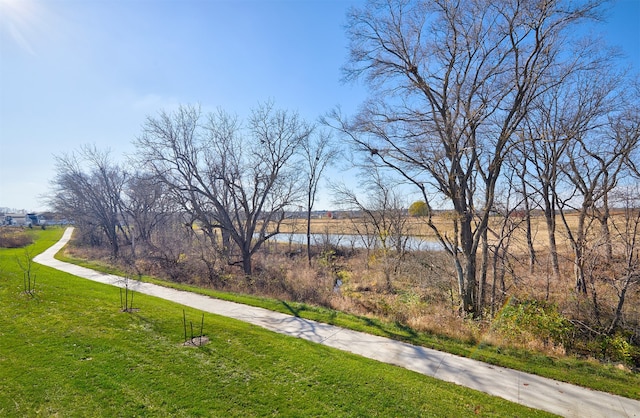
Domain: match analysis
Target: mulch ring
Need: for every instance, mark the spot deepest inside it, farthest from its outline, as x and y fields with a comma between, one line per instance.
x=196, y=341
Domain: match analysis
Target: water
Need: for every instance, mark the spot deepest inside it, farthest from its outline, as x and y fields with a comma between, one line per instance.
x=357, y=241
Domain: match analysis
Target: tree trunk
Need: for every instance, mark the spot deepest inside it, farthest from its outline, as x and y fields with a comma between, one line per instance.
x=550, y=219
x=482, y=286
x=469, y=299
x=604, y=219
x=527, y=219
x=618, y=313
x=578, y=270
x=246, y=263
x=606, y=234
x=309, y=233
x=469, y=288
x=112, y=236
x=578, y=250
x=115, y=248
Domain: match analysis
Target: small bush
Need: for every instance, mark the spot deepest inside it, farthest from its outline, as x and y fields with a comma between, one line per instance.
x=523, y=321
x=14, y=238
x=616, y=348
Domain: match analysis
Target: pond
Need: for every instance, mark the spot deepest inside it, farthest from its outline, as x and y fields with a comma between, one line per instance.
x=356, y=241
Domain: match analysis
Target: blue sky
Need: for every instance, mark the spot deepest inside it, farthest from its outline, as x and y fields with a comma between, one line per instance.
x=76, y=72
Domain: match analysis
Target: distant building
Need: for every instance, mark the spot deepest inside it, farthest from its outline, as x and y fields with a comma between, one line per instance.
x=34, y=219
x=13, y=219
x=21, y=219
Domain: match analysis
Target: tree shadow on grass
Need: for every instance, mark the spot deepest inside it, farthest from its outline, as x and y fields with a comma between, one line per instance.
x=396, y=331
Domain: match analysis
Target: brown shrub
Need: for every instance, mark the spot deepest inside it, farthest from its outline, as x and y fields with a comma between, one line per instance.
x=14, y=238
x=287, y=277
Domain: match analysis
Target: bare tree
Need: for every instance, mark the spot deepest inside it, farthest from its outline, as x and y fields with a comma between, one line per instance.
x=88, y=188
x=235, y=180
x=625, y=128
x=379, y=219
x=148, y=207
x=528, y=211
x=171, y=246
x=543, y=152
x=628, y=232
x=451, y=83
x=318, y=152
x=553, y=124
x=594, y=165
x=507, y=208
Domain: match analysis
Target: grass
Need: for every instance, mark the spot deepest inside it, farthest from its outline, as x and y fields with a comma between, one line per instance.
x=69, y=351
x=586, y=373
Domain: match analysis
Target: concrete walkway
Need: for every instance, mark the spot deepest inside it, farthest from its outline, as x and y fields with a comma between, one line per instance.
x=526, y=389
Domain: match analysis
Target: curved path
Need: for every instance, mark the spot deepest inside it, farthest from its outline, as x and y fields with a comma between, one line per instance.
x=526, y=389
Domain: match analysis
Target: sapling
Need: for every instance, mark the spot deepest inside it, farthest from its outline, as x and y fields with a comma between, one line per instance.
x=126, y=305
x=191, y=341
x=28, y=273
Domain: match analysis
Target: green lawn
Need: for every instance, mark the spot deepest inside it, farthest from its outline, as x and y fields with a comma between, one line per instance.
x=69, y=351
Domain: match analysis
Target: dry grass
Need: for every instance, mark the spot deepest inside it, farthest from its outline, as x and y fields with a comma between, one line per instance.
x=342, y=226
x=444, y=223
x=13, y=237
